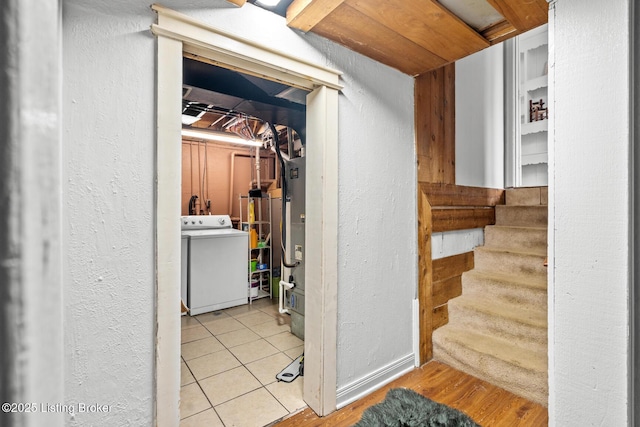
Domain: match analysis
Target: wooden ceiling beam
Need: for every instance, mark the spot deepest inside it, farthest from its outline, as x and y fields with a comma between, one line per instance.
x=498, y=32
x=413, y=36
x=360, y=33
x=523, y=15
x=306, y=14
x=425, y=23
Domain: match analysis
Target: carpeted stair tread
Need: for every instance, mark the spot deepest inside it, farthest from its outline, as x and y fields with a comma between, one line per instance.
x=496, y=347
x=526, y=328
x=516, y=237
x=496, y=360
x=521, y=252
x=533, y=282
x=514, y=313
x=510, y=261
x=520, y=289
x=517, y=227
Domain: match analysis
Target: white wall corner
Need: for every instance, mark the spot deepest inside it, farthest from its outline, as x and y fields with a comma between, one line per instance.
x=31, y=247
x=167, y=372
x=589, y=373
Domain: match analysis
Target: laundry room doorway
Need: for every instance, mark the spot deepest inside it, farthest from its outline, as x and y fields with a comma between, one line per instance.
x=179, y=35
x=243, y=163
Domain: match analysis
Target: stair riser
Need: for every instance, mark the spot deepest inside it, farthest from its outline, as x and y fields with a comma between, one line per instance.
x=523, y=216
x=510, y=263
x=523, y=239
x=525, y=336
x=528, y=384
x=526, y=196
x=507, y=293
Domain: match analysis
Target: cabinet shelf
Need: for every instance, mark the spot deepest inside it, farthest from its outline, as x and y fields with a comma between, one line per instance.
x=536, y=83
x=534, y=127
x=534, y=159
x=261, y=294
x=266, y=270
x=531, y=99
x=534, y=39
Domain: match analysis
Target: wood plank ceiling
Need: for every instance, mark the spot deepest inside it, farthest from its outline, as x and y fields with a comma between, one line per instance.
x=413, y=36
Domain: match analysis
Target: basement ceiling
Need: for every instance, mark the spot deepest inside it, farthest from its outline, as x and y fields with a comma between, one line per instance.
x=416, y=36
x=229, y=101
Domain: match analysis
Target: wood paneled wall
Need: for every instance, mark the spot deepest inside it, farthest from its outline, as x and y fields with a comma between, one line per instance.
x=457, y=207
x=435, y=125
x=442, y=205
x=447, y=284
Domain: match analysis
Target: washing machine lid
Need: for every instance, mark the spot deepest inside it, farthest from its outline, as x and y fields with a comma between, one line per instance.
x=200, y=222
x=208, y=233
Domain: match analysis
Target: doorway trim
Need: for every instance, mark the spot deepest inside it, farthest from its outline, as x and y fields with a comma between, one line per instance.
x=178, y=34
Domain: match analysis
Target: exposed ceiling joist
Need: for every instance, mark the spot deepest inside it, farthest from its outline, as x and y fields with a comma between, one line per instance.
x=499, y=32
x=523, y=15
x=306, y=14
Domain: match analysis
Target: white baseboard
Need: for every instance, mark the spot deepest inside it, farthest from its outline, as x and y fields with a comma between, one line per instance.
x=375, y=380
x=416, y=332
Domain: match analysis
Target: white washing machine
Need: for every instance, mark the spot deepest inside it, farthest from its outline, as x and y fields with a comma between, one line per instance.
x=217, y=263
x=184, y=260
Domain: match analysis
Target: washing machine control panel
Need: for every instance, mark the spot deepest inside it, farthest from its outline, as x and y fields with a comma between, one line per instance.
x=195, y=222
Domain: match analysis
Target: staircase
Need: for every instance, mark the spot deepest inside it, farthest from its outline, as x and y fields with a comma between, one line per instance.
x=497, y=328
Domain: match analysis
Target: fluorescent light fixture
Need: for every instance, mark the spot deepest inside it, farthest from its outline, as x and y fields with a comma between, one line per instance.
x=218, y=136
x=192, y=112
x=189, y=120
x=269, y=3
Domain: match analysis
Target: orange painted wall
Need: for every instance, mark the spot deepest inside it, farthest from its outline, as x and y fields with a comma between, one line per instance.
x=206, y=172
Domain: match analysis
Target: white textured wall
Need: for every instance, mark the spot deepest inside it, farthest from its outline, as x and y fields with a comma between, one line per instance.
x=479, y=138
x=590, y=224
x=480, y=119
x=448, y=243
x=108, y=166
x=377, y=255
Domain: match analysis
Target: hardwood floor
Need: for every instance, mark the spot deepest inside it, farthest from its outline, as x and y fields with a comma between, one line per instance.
x=487, y=404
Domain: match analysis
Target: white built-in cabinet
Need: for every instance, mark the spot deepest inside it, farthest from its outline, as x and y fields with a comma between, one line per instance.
x=530, y=109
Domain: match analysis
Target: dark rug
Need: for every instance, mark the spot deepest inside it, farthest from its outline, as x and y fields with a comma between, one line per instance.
x=406, y=408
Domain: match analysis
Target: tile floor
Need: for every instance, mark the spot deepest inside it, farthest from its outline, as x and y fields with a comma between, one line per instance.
x=230, y=359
